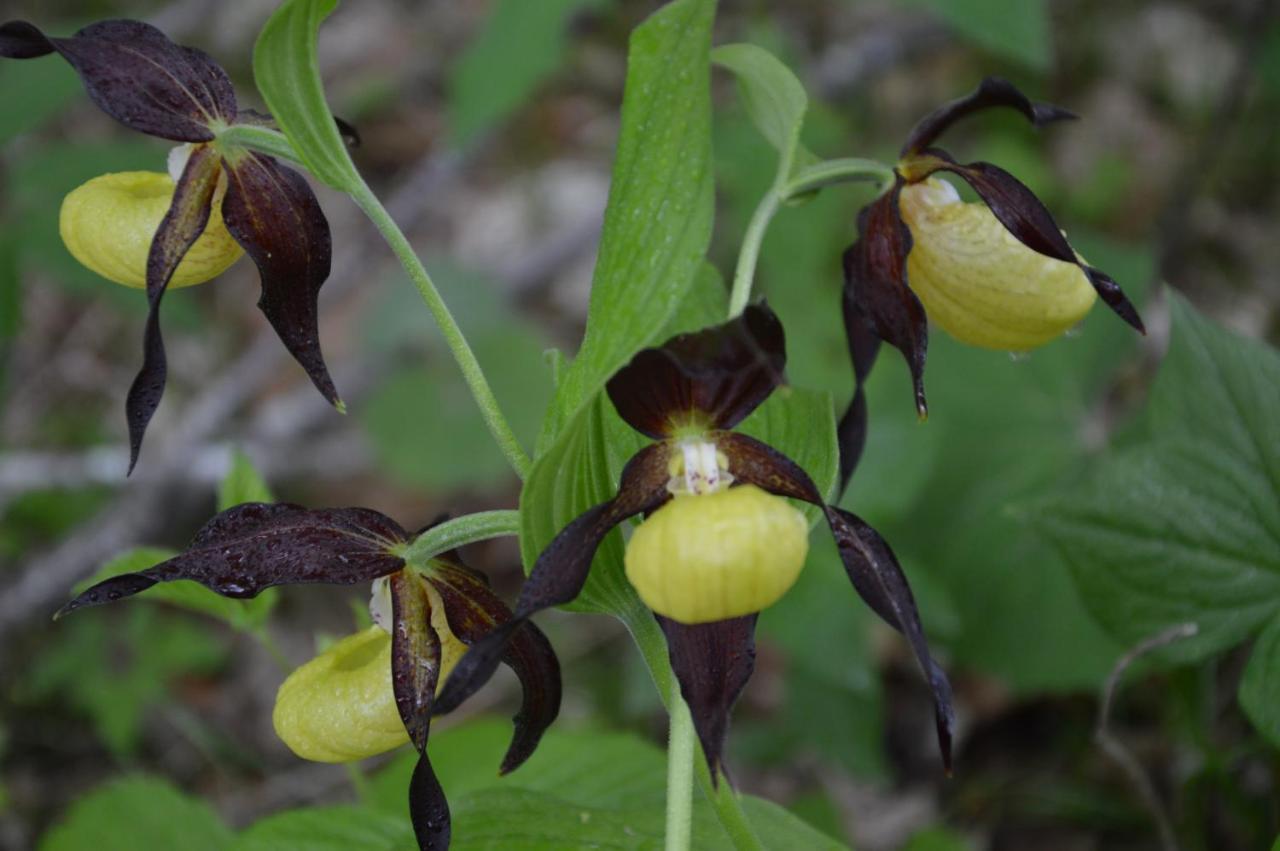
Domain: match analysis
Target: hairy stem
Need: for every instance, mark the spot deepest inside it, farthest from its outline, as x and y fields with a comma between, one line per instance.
x=459, y=531
x=497, y=424
x=653, y=647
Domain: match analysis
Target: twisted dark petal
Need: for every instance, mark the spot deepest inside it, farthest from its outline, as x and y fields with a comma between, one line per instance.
x=415, y=655
x=473, y=612
x=428, y=808
x=1024, y=216
x=876, y=291
x=991, y=92
x=179, y=229
x=254, y=546
x=561, y=571
x=864, y=345
x=712, y=663
x=274, y=215
x=879, y=580
x=711, y=378
x=137, y=76
x=868, y=560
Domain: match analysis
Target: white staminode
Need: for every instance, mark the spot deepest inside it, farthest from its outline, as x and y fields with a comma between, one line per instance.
x=702, y=470
x=380, y=603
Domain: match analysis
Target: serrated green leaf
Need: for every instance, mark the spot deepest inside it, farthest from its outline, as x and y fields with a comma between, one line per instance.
x=287, y=72
x=138, y=812
x=656, y=231
x=1260, y=687
x=1016, y=29
x=242, y=483
x=521, y=45
x=775, y=100
x=1185, y=526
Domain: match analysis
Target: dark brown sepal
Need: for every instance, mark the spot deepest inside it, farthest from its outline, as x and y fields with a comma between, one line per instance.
x=415, y=655
x=137, y=76
x=561, y=570
x=754, y=462
x=712, y=663
x=251, y=547
x=710, y=379
x=473, y=612
x=181, y=226
x=991, y=92
x=864, y=345
x=878, y=578
x=876, y=290
x=428, y=808
x=1024, y=216
x=271, y=211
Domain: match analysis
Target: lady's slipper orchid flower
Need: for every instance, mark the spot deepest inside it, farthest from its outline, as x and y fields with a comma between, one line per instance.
x=223, y=195
x=998, y=274
x=374, y=690
x=719, y=543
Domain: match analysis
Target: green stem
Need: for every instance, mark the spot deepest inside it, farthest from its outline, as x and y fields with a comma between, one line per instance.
x=653, y=647
x=807, y=180
x=471, y=371
x=680, y=758
x=454, y=533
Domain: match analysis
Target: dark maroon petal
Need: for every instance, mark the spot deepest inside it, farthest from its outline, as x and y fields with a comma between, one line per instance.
x=428, y=808
x=415, y=655
x=879, y=580
x=254, y=546
x=1024, y=216
x=712, y=663
x=876, y=290
x=708, y=379
x=753, y=462
x=137, y=76
x=991, y=92
x=274, y=215
x=561, y=570
x=473, y=612
x=179, y=229
x=864, y=345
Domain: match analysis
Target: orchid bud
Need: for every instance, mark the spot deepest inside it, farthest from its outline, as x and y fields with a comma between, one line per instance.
x=707, y=557
x=109, y=222
x=978, y=281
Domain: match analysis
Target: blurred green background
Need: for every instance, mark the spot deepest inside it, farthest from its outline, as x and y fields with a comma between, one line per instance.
x=489, y=129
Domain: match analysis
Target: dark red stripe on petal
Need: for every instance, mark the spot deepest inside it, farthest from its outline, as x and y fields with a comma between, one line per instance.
x=428, y=808
x=712, y=662
x=251, y=547
x=473, y=612
x=876, y=290
x=711, y=378
x=274, y=215
x=181, y=226
x=415, y=655
x=138, y=76
x=878, y=578
x=992, y=92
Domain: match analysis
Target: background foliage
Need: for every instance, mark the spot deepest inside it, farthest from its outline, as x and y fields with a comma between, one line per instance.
x=1051, y=513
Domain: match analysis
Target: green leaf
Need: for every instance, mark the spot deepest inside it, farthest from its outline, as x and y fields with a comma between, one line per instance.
x=329, y=829
x=521, y=46
x=1016, y=29
x=138, y=812
x=800, y=424
x=657, y=227
x=1185, y=525
x=775, y=100
x=1260, y=687
x=287, y=72
x=243, y=483
x=579, y=790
